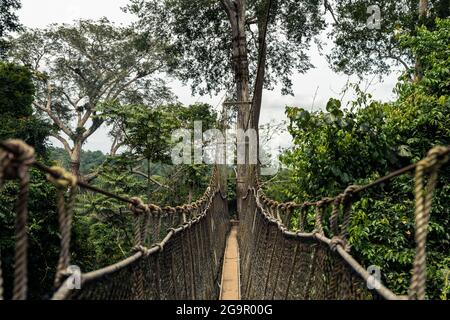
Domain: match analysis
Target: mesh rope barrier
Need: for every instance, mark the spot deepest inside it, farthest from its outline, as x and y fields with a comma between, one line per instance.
x=178, y=251
x=280, y=260
x=177, y=254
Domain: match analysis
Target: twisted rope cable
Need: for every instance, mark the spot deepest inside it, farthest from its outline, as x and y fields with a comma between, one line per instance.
x=64, y=181
x=141, y=213
x=15, y=165
x=347, y=200
x=320, y=208
x=335, y=215
x=424, y=198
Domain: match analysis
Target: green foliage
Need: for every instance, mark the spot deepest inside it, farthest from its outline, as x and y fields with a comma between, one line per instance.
x=42, y=234
x=359, y=49
x=339, y=147
x=334, y=148
x=103, y=227
x=90, y=160
x=18, y=121
x=147, y=131
x=16, y=90
x=9, y=22
x=16, y=97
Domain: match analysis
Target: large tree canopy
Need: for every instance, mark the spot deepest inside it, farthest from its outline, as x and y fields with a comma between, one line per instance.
x=199, y=35
x=82, y=66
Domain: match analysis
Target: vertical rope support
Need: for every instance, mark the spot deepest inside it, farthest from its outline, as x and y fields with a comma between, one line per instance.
x=291, y=272
x=15, y=166
x=335, y=216
x=21, y=258
x=320, y=209
x=302, y=217
x=141, y=213
x=63, y=180
x=348, y=199
x=423, y=200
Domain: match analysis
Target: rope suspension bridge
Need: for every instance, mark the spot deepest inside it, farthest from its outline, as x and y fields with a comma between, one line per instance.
x=179, y=252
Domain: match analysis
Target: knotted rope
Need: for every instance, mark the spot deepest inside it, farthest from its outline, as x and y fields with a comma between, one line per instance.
x=321, y=208
x=15, y=165
x=340, y=234
x=141, y=213
x=424, y=198
x=63, y=180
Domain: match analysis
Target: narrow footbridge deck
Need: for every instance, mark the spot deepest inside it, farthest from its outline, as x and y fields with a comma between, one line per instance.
x=230, y=286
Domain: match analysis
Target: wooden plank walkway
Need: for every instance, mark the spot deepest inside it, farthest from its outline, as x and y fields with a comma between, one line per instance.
x=230, y=287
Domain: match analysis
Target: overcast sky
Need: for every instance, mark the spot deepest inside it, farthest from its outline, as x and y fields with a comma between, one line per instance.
x=40, y=13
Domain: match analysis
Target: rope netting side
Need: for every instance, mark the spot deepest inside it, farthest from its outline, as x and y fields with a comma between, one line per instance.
x=195, y=231
x=279, y=260
x=185, y=265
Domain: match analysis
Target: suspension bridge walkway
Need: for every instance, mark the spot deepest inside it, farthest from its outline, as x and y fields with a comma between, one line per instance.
x=193, y=252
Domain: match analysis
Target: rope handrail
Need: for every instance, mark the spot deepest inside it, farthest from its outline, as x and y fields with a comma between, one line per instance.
x=57, y=175
x=359, y=189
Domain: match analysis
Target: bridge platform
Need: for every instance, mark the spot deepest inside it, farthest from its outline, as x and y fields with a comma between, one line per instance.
x=230, y=285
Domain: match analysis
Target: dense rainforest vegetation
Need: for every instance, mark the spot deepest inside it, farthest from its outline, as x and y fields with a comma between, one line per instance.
x=60, y=85
x=341, y=146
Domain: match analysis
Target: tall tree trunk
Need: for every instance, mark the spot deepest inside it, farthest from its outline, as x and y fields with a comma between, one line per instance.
x=259, y=84
x=261, y=74
x=75, y=158
x=241, y=70
x=423, y=14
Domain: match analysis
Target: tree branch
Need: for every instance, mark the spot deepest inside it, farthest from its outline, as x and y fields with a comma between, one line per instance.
x=63, y=141
x=228, y=5
x=54, y=118
x=142, y=174
x=329, y=8
x=92, y=129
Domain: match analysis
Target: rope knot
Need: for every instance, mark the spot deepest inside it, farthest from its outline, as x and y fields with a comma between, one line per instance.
x=159, y=246
x=14, y=164
x=140, y=249
x=436, y=157
x=61, y=178
x=154, y=209
x=335, y=241
x=138, y=207
x=316, y=232
x=350, y=192
x=324, y=202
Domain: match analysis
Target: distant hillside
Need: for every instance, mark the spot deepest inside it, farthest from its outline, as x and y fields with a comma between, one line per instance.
x=90, y=160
